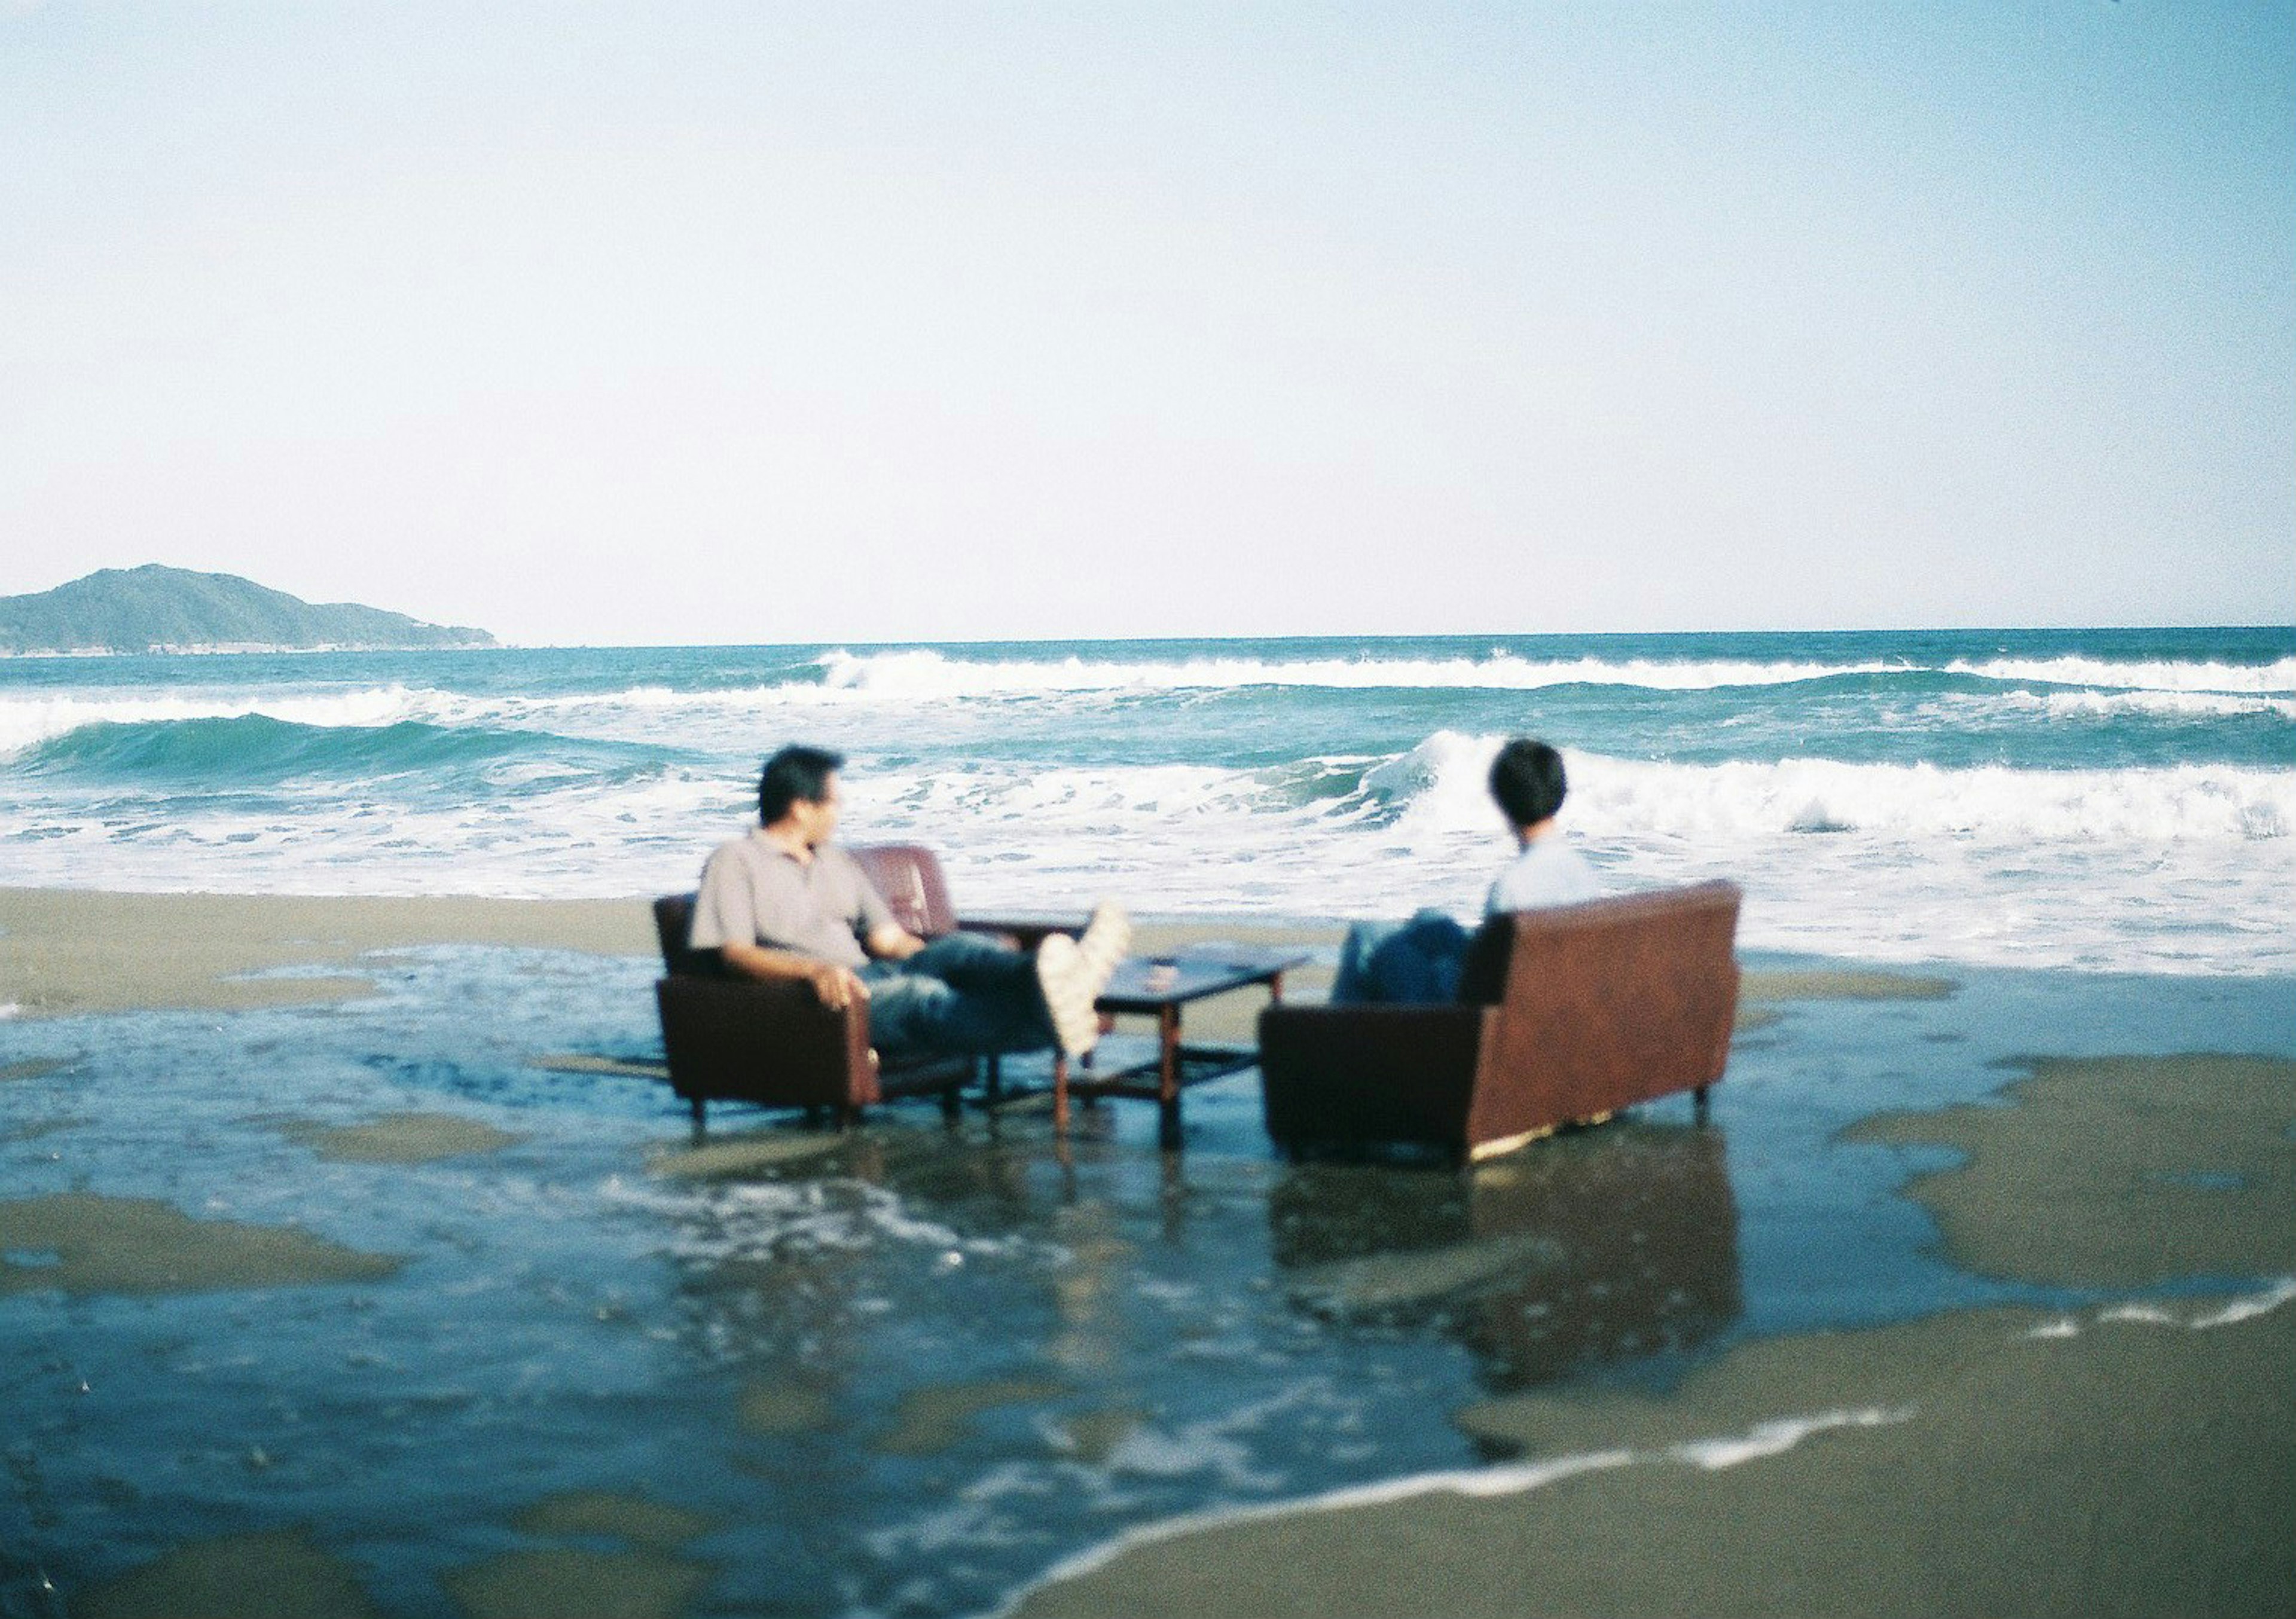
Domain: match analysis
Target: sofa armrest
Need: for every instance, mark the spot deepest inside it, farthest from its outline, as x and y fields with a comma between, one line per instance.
x=774, y=1043
x=1023, y=933
x=1370, y=1073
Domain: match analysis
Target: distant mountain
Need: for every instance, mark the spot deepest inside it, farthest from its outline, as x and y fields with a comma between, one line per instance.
x=153, y=609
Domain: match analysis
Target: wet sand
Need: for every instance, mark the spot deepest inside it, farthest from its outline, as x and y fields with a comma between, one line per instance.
x=83, y=1242
x=284, y=1575
x=67, y=951
x=2106, y=1459
x=1838, y=984
x=70, y=950
x=2112, y=1459
x=2128, y=1468
x=398, y=1138
x=2119, y=1172
x=268, y=1574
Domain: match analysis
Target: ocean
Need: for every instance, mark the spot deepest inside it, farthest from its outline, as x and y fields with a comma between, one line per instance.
x=2101, y=800
x=915, y=1367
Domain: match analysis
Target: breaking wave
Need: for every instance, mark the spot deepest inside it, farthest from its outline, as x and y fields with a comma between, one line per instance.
x=2151, y=676
x=1439, y=786
x=253, y=749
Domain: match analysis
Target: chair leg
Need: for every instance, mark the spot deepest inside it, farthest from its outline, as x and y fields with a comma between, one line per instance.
x=952, y=1103
x=1698, y=1103
x=700, y=1119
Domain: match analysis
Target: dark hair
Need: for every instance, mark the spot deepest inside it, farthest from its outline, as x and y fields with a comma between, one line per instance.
x=794, y=775
x=1527, y=779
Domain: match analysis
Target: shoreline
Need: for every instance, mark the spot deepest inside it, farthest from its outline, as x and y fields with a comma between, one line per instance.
x=82, y=952
x=66, y=952
x=74, y=951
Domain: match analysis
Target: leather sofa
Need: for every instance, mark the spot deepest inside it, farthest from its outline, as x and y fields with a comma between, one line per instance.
x=1565, y=1016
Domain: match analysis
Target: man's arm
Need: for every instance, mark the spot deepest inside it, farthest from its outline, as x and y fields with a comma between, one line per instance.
x=892, y=942
x=838, y=986
x=881, y=933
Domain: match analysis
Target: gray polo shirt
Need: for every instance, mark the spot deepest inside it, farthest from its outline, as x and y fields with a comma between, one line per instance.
x=755, y=892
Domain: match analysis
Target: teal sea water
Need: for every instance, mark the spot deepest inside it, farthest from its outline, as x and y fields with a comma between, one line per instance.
x=2110, y=798
x=909, y=1369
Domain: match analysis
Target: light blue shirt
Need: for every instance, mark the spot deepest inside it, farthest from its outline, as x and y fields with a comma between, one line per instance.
x=1549, y=872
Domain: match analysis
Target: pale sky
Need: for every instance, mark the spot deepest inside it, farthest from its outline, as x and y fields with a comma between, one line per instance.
x=766, y=323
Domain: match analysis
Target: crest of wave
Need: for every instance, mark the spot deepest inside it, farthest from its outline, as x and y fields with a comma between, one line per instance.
x=1990, y=802
x=2174, y=705
x=926, y=674
x=1443, y=785
x=27, y=723
x=2147, y=676
x=1072, y=799
x=1440, y=789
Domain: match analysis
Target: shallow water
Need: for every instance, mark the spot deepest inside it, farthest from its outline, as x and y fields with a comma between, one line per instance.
x=906, y=1369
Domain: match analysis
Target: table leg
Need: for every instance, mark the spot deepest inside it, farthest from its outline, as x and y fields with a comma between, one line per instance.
x=1059, y=1093
x=1167, y=1072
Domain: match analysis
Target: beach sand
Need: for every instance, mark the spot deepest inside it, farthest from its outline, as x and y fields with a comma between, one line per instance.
x=2115, y=1460
x=2100, y=1457
x=68, y=951
x=64, y=951
x=140, y=1245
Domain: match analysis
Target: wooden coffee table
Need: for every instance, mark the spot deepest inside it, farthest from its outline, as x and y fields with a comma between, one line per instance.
x=1159, y=987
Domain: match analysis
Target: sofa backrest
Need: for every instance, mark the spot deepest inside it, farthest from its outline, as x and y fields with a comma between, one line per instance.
x=673, y=925
x=1631, y=996
x=908, y=876
x=1483, y=974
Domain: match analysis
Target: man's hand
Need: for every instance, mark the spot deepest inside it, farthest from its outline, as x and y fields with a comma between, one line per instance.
x=892, y=943
x=838, y=986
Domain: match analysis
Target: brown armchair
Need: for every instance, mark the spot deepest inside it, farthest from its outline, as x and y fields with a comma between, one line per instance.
x=734, y=1039
x=1565, y=1016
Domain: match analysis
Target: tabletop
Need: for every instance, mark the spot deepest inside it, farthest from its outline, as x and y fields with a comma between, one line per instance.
x=1150, y=983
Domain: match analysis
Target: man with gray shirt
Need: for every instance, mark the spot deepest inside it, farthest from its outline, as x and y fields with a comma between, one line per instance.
x=784, y=902
x=1420, y=960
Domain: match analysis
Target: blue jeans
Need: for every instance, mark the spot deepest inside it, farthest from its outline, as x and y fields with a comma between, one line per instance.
x=961, y=996
x=1413, y=962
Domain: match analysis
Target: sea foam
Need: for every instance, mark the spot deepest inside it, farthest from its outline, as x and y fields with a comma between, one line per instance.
x=26, y=722
x=1441, y=784
x=1925, y=799
x=922, y=673
x=1514, y=1478
x=2155, y=674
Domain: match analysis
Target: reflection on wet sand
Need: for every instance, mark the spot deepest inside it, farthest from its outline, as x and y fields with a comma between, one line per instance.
x=238, y=1576
x=398, y=1138
x=1607, y=1246
x=83, y=1242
